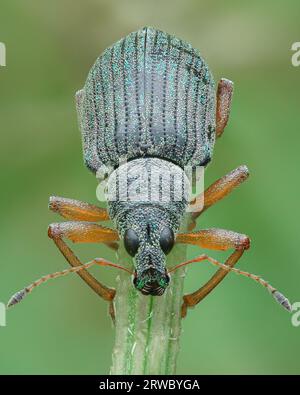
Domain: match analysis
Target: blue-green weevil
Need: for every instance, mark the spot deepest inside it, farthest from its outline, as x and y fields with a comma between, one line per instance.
x=148, y=110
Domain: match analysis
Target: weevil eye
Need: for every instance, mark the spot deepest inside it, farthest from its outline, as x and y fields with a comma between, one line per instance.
x=131, y=242
x=166, y=240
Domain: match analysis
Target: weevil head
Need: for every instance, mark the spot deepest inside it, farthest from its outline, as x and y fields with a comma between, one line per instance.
x=147, y=199
x=149, y=235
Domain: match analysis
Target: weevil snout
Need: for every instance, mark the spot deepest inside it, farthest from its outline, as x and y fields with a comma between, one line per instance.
x=148, y=232
x=151, y=276
x=149, y=248
x=151, y=282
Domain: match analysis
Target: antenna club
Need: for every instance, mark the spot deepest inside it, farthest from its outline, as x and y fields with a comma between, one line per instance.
x=17, y=297
x=282, y=300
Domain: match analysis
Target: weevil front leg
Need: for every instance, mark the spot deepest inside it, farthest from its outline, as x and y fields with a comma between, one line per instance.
x=84, y=232
x=213, y=239
x=217, y=191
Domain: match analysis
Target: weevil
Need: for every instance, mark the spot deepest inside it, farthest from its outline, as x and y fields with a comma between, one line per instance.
x=149, y=108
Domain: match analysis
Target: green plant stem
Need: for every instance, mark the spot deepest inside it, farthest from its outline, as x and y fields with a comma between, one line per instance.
x=147, y=328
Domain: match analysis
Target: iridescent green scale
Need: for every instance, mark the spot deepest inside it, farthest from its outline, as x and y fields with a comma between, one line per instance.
x=148, y=95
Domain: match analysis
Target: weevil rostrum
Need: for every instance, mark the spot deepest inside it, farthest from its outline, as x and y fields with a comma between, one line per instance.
x=149, y=106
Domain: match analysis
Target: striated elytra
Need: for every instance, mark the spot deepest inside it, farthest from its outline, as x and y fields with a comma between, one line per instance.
x=149, y=94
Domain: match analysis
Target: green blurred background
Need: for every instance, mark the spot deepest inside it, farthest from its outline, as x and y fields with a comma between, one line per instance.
x=63, y=328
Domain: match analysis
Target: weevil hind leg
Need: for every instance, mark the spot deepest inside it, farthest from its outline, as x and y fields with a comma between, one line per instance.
x=80, y=232
x=224, y=98
x=214, y=239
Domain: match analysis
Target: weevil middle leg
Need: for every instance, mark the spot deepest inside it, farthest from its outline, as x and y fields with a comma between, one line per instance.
x=76, y=210
x=217, y=191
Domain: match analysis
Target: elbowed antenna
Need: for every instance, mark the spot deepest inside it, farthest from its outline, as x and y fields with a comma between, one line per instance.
x=20, y=295
x=278, y=296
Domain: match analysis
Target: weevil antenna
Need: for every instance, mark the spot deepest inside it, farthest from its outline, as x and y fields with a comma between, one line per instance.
x=278, y=296
x=20, y=295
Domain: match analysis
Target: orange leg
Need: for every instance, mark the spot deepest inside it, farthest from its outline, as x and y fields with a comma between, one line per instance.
x=214, y=239
x=80, y=211
x=224, y=97
x=76, y=210
x=218, y=190
x=83, y=232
